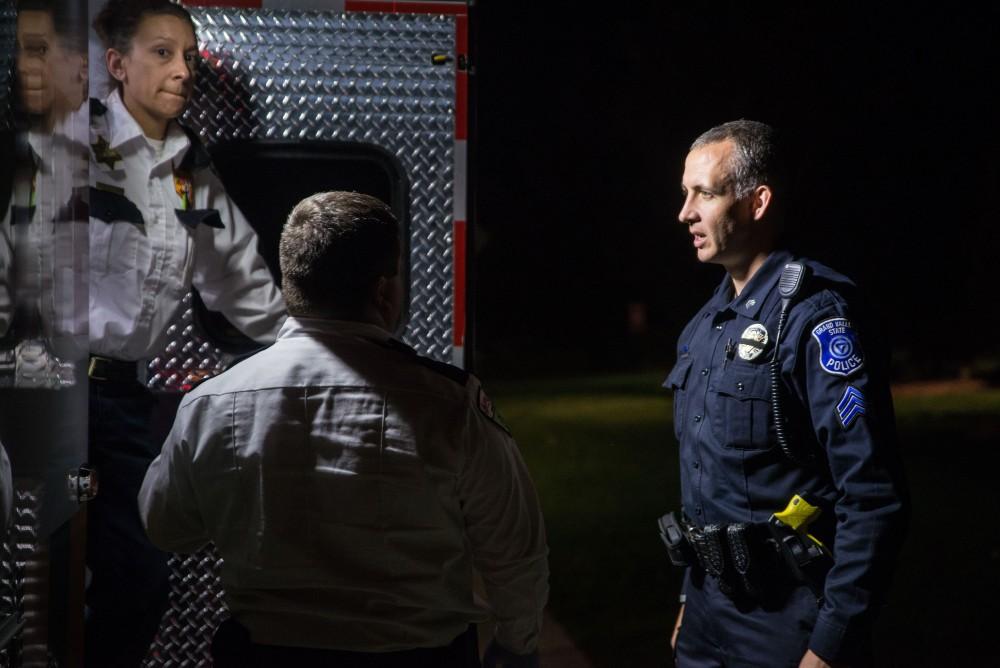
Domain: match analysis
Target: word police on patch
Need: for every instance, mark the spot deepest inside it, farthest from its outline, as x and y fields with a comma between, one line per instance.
x=839, y=352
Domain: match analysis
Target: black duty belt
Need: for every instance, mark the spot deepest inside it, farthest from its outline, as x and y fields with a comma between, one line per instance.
x=745, y=558
x=106, y=369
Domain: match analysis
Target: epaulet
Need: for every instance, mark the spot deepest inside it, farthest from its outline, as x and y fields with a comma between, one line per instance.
x=197, y=156
x=97, y=107
x=449, y=371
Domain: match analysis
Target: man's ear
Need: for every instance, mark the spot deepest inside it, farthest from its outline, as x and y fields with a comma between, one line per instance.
x=115, y=61
x=760, y=201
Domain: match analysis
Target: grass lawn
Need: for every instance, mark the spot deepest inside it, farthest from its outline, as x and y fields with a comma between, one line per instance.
x=603, y=456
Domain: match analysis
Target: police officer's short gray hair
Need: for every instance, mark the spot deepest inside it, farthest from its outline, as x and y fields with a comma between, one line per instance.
x=755, y=160
x=333, y=248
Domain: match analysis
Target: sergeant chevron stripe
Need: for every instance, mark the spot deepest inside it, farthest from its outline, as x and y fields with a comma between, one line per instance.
x=851, y=405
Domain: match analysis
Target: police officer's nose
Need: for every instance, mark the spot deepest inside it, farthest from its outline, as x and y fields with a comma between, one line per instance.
x=687, y=214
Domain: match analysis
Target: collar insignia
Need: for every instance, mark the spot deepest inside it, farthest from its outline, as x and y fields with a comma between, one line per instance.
x=104, y=154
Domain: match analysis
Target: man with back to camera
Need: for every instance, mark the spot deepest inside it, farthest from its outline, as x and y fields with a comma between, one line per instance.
x=792, y=519
x=351, y=486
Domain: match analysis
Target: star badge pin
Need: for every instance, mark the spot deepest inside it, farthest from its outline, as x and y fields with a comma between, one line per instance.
x=104, y=154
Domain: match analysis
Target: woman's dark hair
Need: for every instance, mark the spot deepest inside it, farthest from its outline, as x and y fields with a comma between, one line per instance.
x=119, y=20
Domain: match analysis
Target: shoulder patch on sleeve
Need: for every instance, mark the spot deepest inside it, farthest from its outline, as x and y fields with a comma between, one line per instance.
x=487, y=408
x=839, y=351
x=851, y=406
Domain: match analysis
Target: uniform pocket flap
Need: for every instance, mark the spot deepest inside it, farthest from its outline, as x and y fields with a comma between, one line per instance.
x=744, y=384
x=112, y=206
x=678, y=375
x=193, y=217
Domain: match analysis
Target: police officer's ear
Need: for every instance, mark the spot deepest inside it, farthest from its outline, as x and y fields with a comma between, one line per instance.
x=115, y=60
x=388, y=300
x=760, y=201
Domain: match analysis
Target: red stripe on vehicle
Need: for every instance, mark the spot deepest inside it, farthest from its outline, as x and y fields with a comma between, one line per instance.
x=456, y=8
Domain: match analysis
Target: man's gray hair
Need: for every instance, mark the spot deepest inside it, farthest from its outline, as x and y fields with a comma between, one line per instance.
x=754, y=162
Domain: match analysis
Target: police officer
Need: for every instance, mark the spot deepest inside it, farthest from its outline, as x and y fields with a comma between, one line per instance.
x=746, y=601
x=351, y=486
x=160, y=222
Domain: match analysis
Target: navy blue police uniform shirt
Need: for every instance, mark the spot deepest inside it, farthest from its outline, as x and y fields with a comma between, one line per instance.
x=836, y=394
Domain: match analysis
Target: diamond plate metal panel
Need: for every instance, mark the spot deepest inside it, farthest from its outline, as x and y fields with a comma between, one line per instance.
x=366, y=78
x=17, y=569
x=319, y=77
x=8, y=32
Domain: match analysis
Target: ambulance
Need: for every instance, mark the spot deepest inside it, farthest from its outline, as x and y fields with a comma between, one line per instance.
x=292, y=97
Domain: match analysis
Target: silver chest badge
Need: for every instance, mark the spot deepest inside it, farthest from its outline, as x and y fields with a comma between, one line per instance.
x=753, y=342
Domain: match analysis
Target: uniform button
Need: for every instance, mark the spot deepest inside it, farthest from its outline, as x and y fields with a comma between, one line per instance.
x=739, y=386
x=718, y=326
x=697, y=418
x=704, y=372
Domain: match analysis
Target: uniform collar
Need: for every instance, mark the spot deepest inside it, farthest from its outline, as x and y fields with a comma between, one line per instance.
x=751, y=300
x=299, y=326
x=125, y=129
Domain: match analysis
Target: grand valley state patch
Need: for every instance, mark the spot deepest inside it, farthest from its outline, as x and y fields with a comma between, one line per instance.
x=839, y=352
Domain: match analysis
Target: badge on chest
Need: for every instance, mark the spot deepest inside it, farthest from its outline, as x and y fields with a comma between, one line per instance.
x=753, y=342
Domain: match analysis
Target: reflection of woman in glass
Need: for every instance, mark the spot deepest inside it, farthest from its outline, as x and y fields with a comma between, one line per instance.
x=51, y=58
x=43, y=254
x=45, y=222
x=160, y=222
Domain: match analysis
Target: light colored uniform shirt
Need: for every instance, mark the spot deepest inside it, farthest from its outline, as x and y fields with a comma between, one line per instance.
x=141, y=269
x=45, y=258
x=351, y=488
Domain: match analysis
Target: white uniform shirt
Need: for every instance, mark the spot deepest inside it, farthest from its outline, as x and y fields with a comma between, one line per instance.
x=351, y=488
x=143, y=259
x=45, y=257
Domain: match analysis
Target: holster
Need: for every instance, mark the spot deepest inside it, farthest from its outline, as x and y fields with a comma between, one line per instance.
x=746, y=559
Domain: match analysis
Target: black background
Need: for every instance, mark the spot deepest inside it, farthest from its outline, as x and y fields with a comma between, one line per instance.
x=583, y=121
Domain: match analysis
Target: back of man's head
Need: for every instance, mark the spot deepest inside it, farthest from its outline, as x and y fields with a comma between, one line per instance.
x=755, y=160
x=334, y=248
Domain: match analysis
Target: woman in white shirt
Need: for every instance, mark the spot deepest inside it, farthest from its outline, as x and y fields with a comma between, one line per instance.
x=160, y=222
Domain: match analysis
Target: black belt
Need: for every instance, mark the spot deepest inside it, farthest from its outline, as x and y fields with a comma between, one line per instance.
x=743, y=557
x=110, y=370
x=232, y=648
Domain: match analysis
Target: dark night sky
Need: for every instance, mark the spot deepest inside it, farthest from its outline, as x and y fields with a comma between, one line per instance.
x=584, y=120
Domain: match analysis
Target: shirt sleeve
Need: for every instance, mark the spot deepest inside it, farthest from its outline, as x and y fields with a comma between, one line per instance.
x=230, y=273
x=504, y=524
x=850, y=408
x=168, y=504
